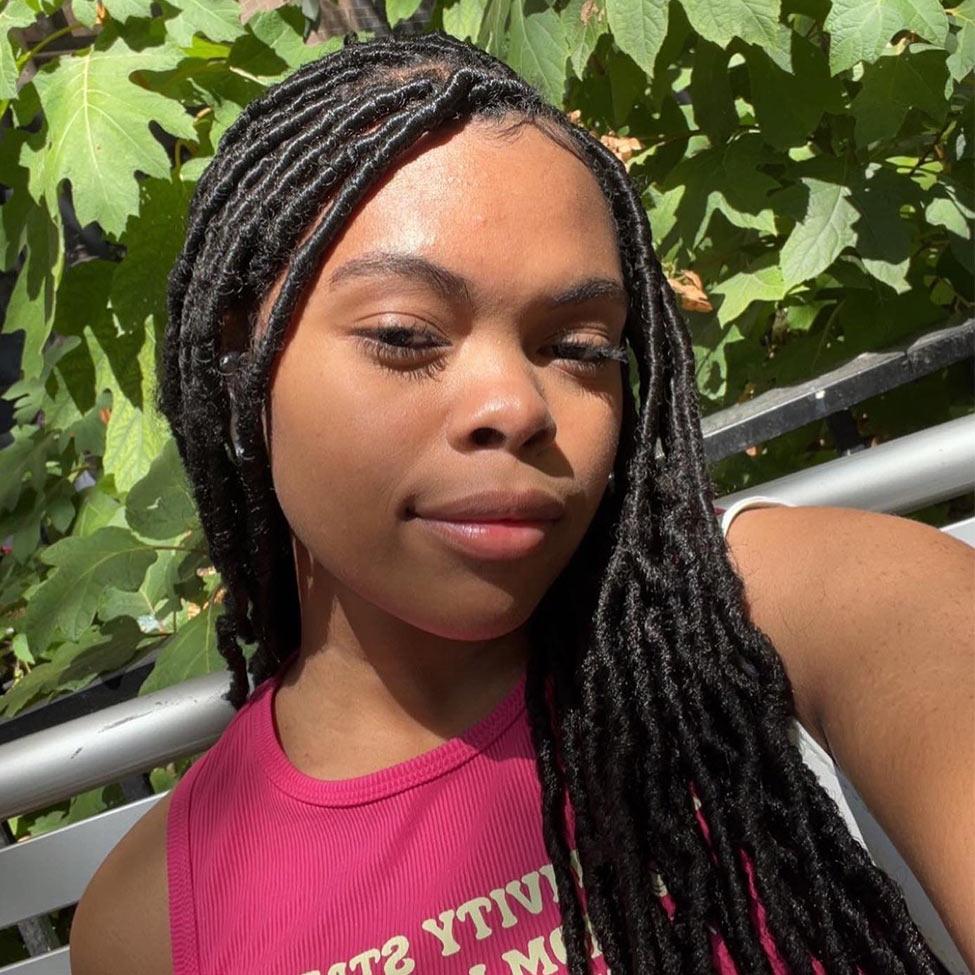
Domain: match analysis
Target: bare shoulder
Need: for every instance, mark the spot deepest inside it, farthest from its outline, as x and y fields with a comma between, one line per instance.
x=874, y=618
x=778, y=552
x=826, y=584
x=121, y=923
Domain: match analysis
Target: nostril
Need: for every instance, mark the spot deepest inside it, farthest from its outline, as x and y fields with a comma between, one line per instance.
x=483, y=436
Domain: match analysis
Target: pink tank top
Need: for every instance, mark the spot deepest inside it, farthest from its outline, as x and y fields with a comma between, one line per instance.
x=437, y=864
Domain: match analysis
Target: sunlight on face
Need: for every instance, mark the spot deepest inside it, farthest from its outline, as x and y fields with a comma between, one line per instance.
x=442, y=351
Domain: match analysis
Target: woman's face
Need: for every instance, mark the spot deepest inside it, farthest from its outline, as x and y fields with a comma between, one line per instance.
x=487, y=257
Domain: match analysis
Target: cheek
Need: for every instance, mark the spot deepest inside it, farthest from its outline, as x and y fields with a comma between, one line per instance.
x=337, y=452
x=589, y=436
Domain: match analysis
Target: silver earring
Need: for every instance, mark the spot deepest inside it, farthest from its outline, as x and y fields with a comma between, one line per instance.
x=228, y=366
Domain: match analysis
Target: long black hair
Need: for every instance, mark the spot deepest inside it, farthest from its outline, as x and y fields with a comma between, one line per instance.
x=650, y=693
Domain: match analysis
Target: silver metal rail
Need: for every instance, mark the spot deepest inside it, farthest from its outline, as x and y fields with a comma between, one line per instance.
x=103, y=747
x=901, y=475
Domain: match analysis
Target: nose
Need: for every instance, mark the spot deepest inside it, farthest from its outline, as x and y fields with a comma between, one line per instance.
x=501, y=405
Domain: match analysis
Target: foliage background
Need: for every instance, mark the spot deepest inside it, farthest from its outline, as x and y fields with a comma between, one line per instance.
x=806, y=165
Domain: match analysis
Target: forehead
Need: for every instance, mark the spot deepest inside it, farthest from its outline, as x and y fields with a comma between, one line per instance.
x=514, y=213
x=507, y=207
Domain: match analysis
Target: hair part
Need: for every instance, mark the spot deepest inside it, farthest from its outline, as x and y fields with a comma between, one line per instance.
x=649, y=691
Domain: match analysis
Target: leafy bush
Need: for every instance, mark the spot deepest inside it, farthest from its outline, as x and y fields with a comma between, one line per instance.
x=807, y=168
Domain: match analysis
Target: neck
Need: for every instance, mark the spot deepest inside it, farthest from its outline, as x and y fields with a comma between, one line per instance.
x=369, y=690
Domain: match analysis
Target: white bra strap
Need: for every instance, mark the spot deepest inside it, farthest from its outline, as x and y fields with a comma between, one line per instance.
x=751, y=501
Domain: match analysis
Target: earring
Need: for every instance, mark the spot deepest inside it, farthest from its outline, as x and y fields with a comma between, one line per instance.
x=228, y=366
x=228, y=363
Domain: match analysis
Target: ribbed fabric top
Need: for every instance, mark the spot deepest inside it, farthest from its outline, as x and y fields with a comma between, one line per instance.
x=437, y=864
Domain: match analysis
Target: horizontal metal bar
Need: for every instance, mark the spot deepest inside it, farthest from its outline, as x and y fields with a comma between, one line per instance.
x=787, y=408
x=962, y=530
x=102, y=748
x=52, y=870
x=901, y=475
x=53, y=963
x=109, y=689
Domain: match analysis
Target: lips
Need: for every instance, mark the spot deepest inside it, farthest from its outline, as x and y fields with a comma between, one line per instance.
x=492, y=525
x=530, y=505
x=490, y=540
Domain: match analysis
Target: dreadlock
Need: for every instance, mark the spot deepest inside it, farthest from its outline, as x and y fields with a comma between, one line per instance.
x=650, y=693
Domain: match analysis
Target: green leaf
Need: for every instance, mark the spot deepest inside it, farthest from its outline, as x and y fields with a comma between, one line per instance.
x=154, y=600
x=710, y=90
x=98, y=508
x=274, y=45
x=762, y=281
x=463, y=19
x=895, y=84
x=825, y=229
x=926, y=18
x=152, y=238
x=885, y=241
x=961, y=62
x=76, y=663
x=950, y=209
x=493, y=36
x=82, y=298
x=753, y=21
x=218, y=20
x=15, y=212
x=397, y=10
x=98, y=132
x=86, y=805
x=121, y=10
x=124, y=9
x=876, y=319
x=66, y=601
x=627, y=85
x=192, y=652
x=15, y=14
x=134, y=438
x=723, y=179
x=789, y=106
x=538, y=51
x=33, y=300
x=21, y=649
x=584, y=22
x=638, y=28
x=860, y=29
x=137, y=432
x=161, y=505
x=712, y=345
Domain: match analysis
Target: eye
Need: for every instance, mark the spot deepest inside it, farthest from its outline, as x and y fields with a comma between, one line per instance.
x=589, y=356
x=395, y=345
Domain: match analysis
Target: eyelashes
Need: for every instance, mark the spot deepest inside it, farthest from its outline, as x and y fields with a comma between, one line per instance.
x=390, y=346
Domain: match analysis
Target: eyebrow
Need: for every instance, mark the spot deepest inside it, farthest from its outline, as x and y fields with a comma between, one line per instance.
x=453, y=286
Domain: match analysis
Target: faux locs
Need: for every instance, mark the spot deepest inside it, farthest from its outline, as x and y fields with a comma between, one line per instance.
x=650, y=692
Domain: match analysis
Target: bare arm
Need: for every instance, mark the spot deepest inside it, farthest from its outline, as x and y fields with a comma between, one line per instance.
x=121, y=923
x=874, y=616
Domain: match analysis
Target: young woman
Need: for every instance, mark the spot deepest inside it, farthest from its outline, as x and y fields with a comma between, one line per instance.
x=518, y=705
